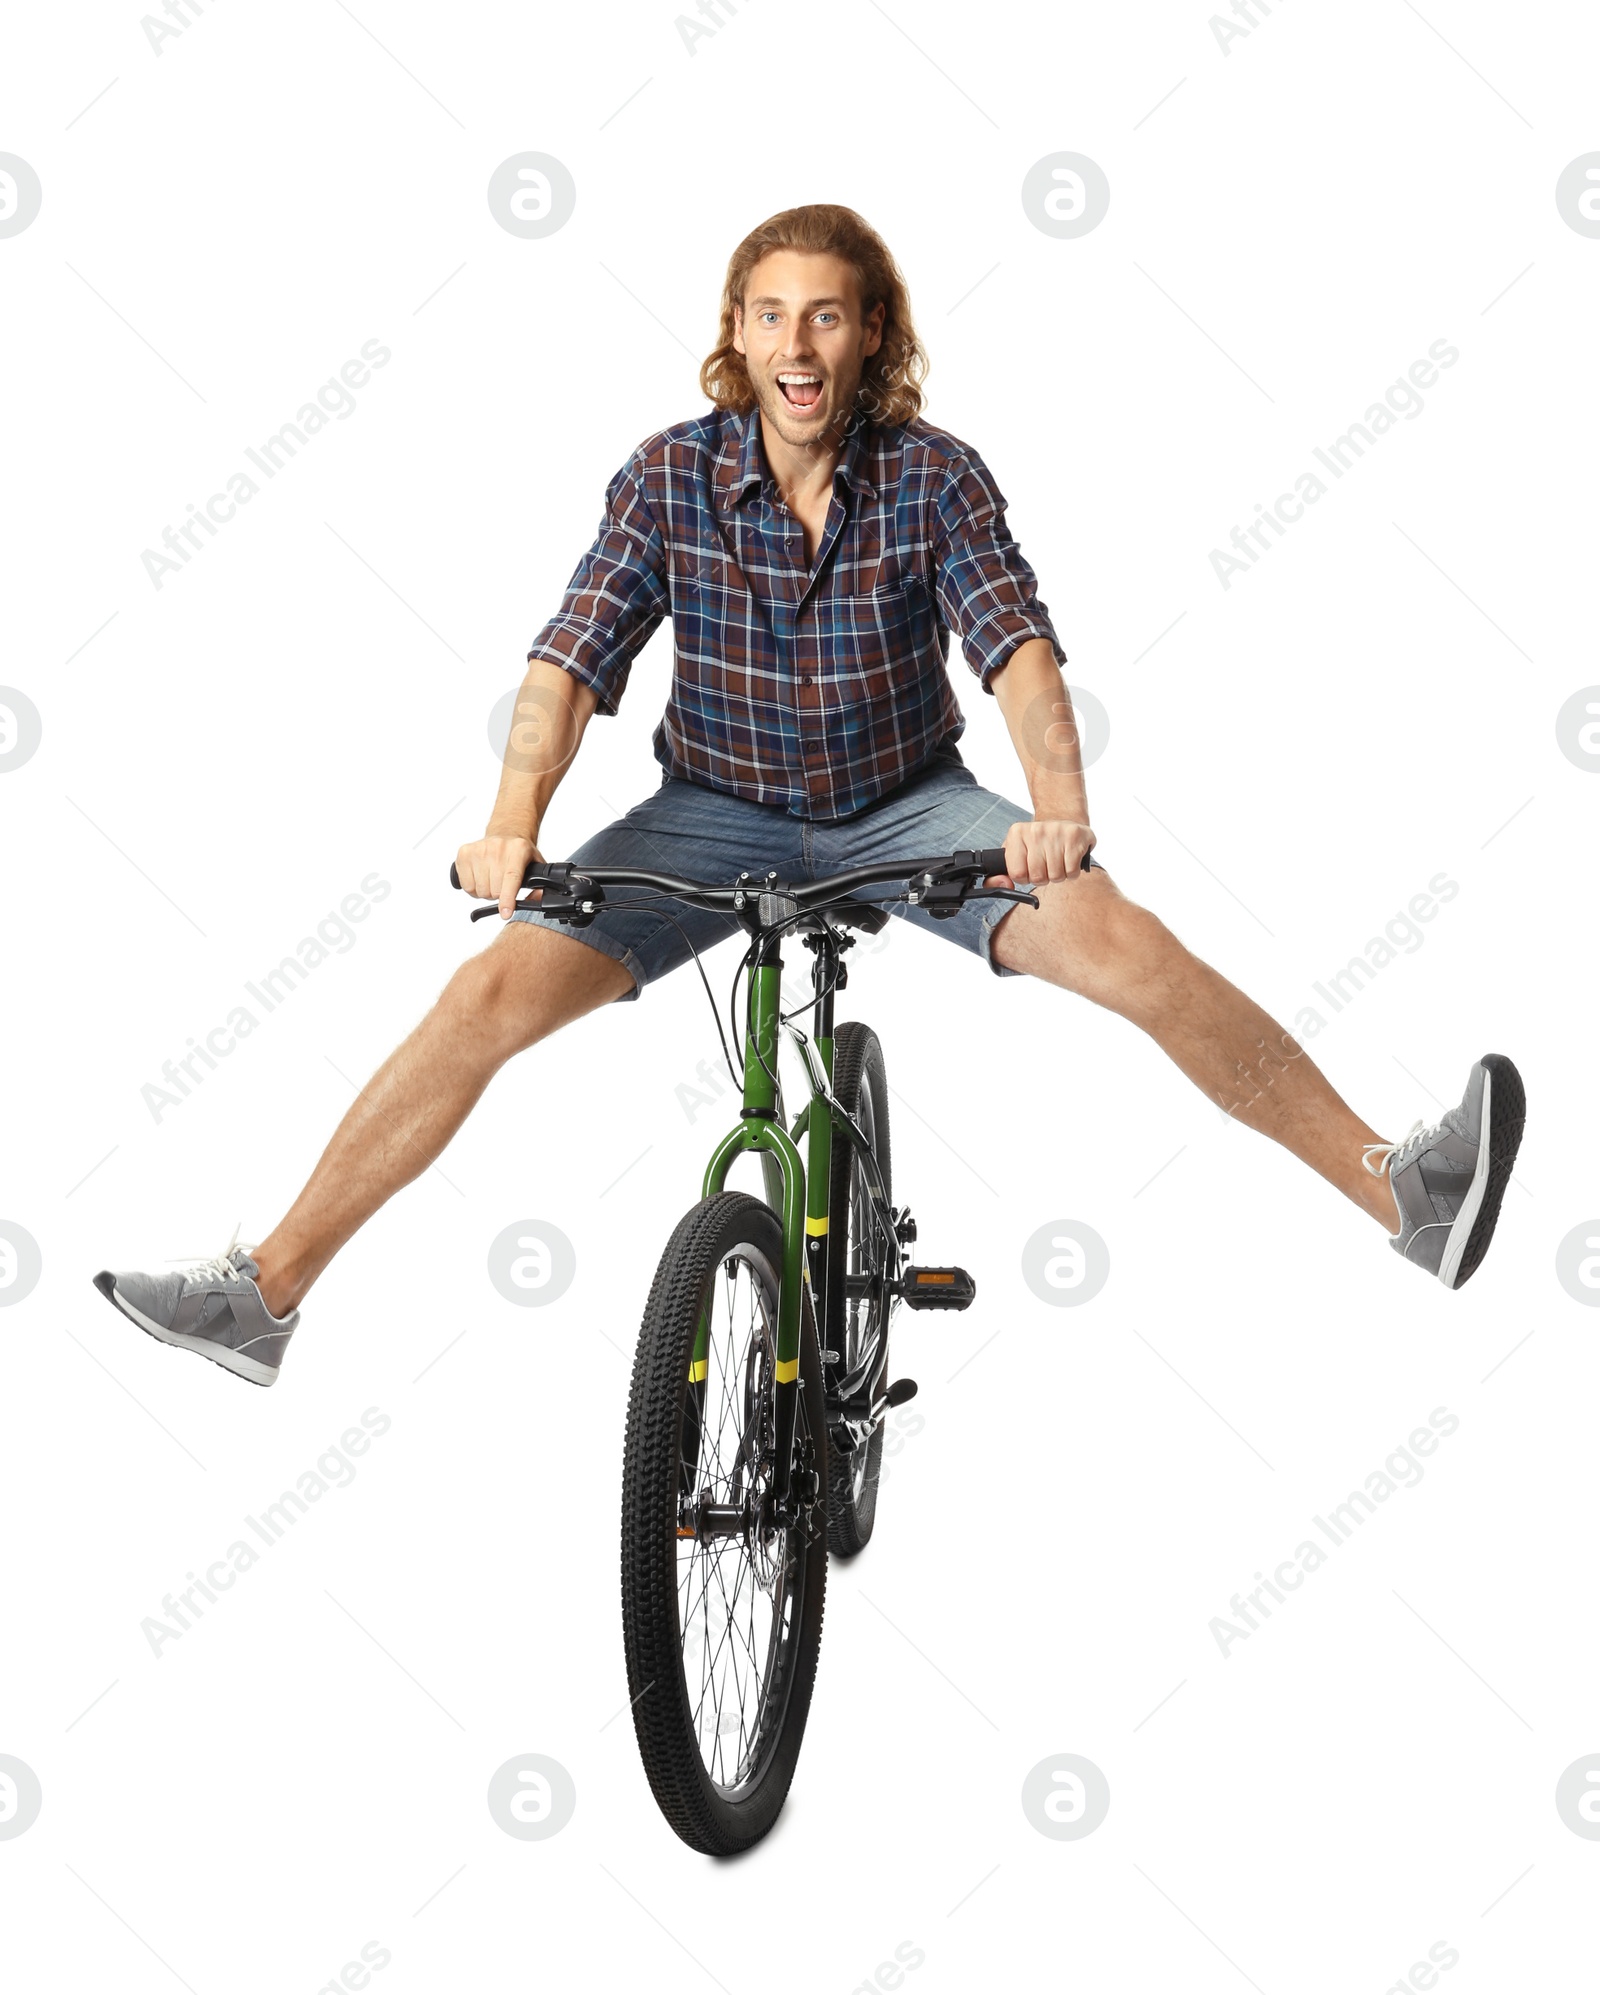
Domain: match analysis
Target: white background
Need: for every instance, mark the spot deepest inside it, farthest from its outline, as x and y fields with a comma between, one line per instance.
x=1291, y=760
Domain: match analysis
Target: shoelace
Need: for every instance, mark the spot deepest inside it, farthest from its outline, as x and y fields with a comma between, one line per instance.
x=1390, y=1156
x=215, y=1267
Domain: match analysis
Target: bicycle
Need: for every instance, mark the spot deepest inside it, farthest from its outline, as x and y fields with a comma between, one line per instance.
x=753, y=1448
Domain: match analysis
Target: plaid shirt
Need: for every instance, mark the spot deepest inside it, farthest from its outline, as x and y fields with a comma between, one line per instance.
x=818, y=689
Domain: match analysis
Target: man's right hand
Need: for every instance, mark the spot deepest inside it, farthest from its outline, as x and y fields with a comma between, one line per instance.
x=491, y=868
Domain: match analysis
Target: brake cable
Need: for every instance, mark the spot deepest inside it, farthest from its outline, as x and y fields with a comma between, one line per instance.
x=648, y=899
x=653, y=898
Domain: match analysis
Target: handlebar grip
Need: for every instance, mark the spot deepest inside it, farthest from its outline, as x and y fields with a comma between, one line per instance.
x=535, y=867
x=992, y=859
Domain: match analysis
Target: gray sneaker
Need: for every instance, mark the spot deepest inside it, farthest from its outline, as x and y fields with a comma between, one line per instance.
x=213, y=1307
x=1449, y=1178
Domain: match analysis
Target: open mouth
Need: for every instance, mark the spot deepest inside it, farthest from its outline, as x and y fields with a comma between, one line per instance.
x=800, y=391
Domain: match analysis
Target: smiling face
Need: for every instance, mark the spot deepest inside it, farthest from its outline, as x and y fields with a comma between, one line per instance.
x=805, y=340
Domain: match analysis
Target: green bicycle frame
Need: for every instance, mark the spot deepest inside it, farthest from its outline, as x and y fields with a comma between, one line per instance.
x=803, y=1186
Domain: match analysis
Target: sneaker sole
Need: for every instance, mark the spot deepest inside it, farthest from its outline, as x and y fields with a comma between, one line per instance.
x=231, y=1361
x=1504, y=1108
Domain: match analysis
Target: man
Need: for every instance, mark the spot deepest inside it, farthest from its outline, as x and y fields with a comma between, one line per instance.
x=814, y=543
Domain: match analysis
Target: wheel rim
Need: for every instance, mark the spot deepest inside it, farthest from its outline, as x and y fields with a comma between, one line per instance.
x=739, y=1595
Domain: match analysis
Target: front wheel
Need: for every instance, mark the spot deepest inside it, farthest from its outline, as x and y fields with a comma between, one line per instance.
x=721, y=1603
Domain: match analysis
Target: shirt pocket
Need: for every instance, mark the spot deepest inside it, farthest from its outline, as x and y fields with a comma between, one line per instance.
x=718, y=624
x=872, y=647
x=699, y=566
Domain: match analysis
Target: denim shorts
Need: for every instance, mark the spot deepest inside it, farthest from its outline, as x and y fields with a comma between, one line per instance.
x=702, y=834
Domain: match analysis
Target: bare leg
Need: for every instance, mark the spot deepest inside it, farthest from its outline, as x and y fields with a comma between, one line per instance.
x=1087, y=937
x=524, y=986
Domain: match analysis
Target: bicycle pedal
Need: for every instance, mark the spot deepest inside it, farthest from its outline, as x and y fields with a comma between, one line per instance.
x=937, y=1288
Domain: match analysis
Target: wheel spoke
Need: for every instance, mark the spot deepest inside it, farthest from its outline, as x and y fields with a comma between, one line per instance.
x=737, y=1607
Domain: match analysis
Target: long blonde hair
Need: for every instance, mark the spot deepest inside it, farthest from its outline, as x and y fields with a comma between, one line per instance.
x=891, y=379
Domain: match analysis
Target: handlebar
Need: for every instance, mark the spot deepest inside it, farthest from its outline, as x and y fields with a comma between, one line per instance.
x=943, y=885
x=991, y=860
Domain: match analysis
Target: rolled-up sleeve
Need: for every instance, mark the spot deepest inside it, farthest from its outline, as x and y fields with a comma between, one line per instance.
x=616, y=598
x=987, y=592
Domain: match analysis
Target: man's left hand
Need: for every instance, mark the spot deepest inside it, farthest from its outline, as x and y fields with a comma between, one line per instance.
x=1047, y=849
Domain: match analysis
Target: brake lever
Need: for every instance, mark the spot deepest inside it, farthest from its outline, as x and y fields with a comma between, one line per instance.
x=1004, y=894
x=565, y=895
x=945, y=892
